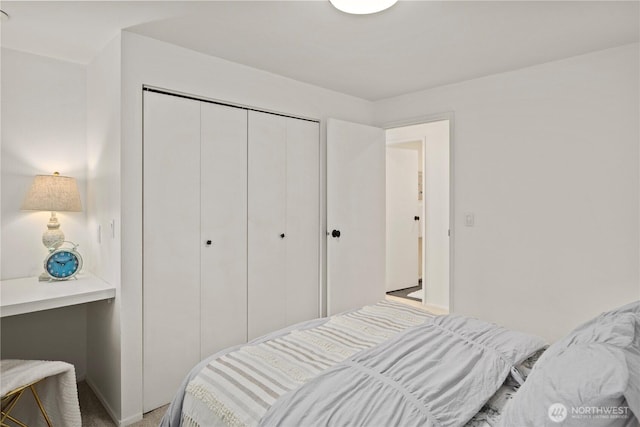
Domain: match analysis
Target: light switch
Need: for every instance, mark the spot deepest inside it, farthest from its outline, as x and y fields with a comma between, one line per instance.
x=469, y=219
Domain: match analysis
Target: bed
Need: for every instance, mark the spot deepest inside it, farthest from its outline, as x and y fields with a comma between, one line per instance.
x=389, y=364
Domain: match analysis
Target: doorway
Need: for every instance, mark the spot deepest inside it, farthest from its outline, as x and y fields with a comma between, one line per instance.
x=418, y=213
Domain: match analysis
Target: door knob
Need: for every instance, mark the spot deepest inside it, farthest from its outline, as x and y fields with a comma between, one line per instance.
x=282, y=236
x=416, y=218
x=208, y=242
x=335, y=233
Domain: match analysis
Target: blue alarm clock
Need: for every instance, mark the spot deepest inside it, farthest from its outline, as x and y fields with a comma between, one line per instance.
x=63, y=263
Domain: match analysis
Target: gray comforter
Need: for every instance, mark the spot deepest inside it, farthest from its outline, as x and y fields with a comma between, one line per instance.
x=436, y=374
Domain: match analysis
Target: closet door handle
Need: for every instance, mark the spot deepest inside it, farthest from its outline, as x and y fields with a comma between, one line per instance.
x=282, y=236
x=335, y=233
x=416, y=218
x=208, y=243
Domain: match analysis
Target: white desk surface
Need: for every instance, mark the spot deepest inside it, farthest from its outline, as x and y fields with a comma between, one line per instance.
x=26, y=295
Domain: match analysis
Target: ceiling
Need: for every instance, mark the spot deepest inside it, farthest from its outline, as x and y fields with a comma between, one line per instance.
x=414, y=45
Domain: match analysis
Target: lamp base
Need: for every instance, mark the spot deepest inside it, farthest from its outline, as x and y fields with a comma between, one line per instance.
x=53, y=237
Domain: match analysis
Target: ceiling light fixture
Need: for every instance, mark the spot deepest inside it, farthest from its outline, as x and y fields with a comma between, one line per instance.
x=362, y=7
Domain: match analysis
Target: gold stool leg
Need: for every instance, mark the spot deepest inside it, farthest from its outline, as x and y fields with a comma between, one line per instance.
x=11, y=399
x=20, y=423
x=44, y=413
x=8, y=403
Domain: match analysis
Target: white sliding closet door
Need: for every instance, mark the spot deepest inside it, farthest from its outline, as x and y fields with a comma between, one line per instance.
x=284, y=222
x=303, y=221
x=231, y=232
x=171, y=258
x=266, y=223
x=223, y=166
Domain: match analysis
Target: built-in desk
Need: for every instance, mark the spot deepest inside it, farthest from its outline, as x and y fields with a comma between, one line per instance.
x=27, y=295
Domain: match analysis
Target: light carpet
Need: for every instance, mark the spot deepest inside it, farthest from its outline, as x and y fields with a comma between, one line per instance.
x=94, y=414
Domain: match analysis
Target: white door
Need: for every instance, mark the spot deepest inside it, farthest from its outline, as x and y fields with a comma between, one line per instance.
x=303, y=221
x=171, y=256
x=283, y=215
x=223, y=242
x=267, y=223
x=355, y=211
x=436, y=199
x=403, y=225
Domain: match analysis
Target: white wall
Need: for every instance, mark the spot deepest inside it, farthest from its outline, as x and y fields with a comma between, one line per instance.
x=43, y=130
x=151, y=62
x=547, y=159
x=103, y=208
x=62, y=116
x=43, y=118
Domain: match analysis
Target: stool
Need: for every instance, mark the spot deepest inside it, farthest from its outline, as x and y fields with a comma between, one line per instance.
x=53, y=387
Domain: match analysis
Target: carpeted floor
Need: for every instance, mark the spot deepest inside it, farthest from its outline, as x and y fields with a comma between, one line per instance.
x=94, y=414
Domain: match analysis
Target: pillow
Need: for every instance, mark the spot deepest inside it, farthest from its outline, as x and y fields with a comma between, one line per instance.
x=632, y=307
x=588, y=332
x=588, y=378
x=515, y=347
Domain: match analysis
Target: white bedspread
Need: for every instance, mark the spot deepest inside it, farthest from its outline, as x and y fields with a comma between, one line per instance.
x=438, y=374
x=386, y=364
x=58, y=392
x=239, y=387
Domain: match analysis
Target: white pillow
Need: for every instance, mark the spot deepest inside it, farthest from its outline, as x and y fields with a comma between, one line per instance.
x=589, y=378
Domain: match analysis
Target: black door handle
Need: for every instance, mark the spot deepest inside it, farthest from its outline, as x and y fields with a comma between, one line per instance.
x=416, y=218
x=282, y=236
x=208, y=242
x=335, y=233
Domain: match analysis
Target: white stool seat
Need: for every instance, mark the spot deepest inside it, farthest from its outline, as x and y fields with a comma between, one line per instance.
x=56, y=387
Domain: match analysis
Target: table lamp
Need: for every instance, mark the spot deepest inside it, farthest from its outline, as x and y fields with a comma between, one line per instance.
x=54, y=193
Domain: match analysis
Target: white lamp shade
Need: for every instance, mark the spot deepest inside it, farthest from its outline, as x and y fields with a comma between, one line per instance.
x=362, y=7
x=53, y=193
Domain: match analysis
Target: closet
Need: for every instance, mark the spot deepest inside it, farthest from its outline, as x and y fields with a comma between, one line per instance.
x=231, y=222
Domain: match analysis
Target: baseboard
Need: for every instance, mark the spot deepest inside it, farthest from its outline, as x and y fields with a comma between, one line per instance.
x=130, y=420
x=107, y=407
x=406, y=301
x=436, y=309
x=431, y=308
